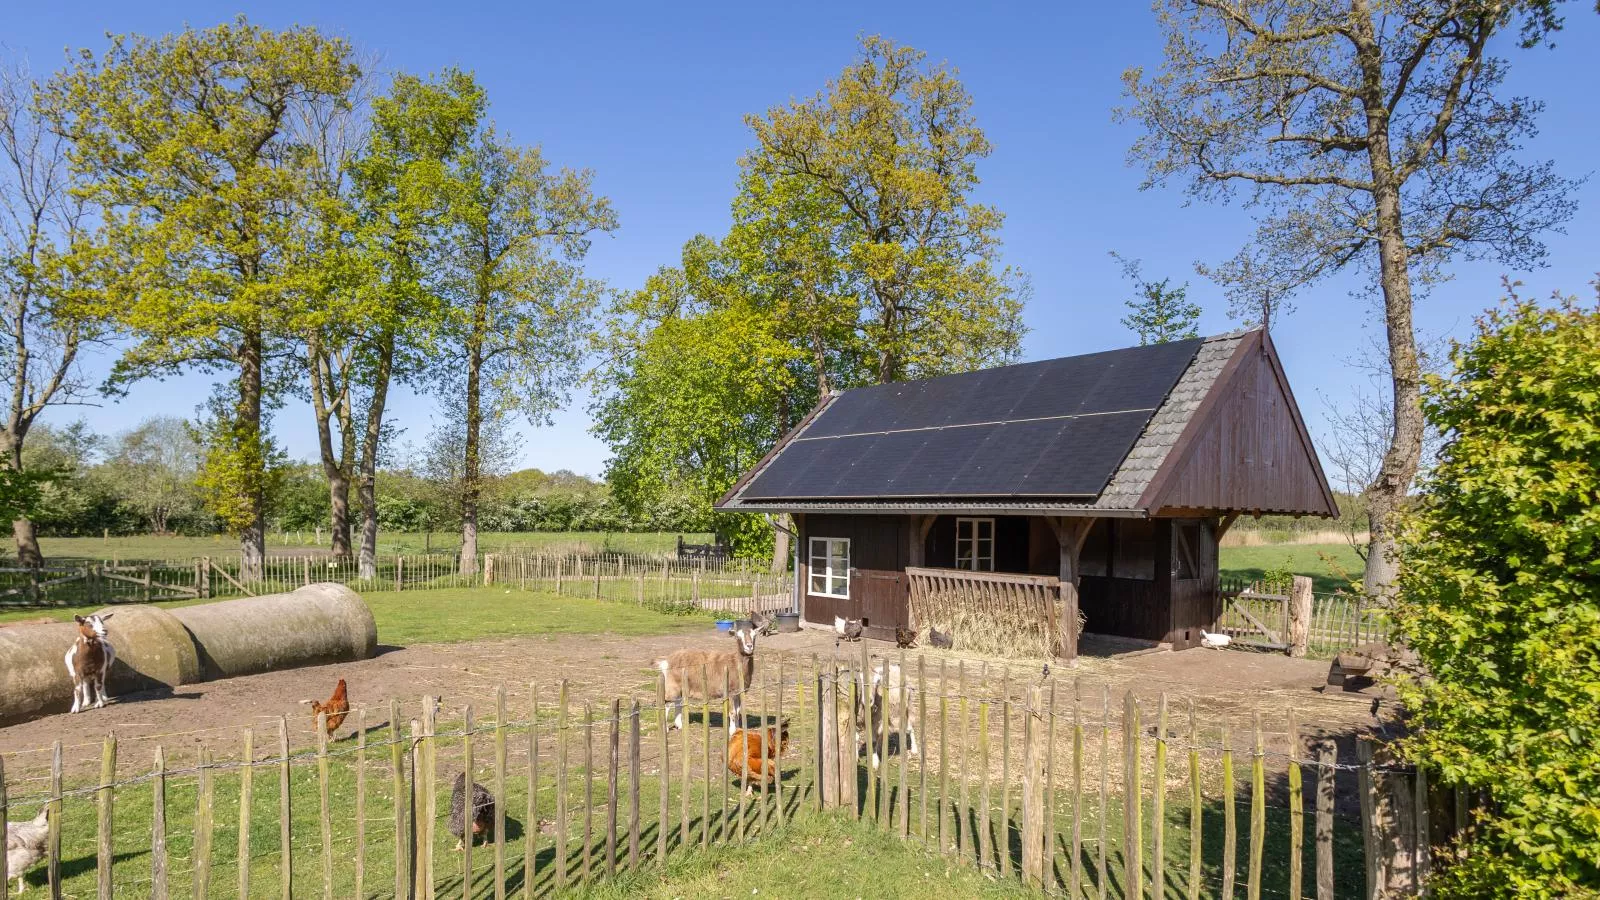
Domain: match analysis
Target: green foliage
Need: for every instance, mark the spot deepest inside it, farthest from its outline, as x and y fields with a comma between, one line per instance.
x=240, y=472
x=1501, y=600
x=857, y=256
x=1158, y=312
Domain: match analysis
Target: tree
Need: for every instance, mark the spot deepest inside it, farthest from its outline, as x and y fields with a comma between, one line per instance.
x=186, y=142
x=1498, y=599
x=1367, y=135
x=856, y=256
x=518, y=303
x=155, y=467
x=890, y=150
x=44, y=263
x=402, y=186
x=1158, y=312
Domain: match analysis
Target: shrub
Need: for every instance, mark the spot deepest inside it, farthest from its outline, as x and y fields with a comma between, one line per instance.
x=1500, y=597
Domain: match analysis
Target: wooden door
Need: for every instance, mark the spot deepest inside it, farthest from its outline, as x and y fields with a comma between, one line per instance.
x=1194, y=580
x=883, y=597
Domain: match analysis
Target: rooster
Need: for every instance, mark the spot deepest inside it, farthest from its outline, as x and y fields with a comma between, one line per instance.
x=482, y=810
x=753, y=753
x=337, y=707
x=25, y=844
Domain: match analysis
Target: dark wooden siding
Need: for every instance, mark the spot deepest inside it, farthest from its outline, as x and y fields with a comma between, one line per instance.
x=1246, y=449
x=1015, y=544
x=1193, y=599
x=1130, y=607
x=879, y=551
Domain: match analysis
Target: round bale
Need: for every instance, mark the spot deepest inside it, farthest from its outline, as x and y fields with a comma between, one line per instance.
x=314, y=625
x=153, y=650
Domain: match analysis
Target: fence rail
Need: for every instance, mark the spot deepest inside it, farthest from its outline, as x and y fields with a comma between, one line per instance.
x=1047, y=780
x=1258, y=613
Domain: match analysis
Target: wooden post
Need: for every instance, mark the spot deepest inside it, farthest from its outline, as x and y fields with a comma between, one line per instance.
x=880, y=739
x=905, y=755
x=588, y=791
x=500, y=790
x=922, y=761
x=361, y=803
x=205, y=801
x=1258, y=811
x=285, y=849
x=1075, y=874
x=1299, y=616
x=611, y=777
x=664, y=768
x=561, y=788
x=705, y=729
x=399, y=572
x=1324, y=834
x=158, y=828
x=1369, y=812
x=1034, y=808
x=985, y=835
x=104, y=853
x=325, y=820
x=1230, y=826
x=1104, y=872
x=1005, y=773
x=530, y=830
x=1133, y=827
x=1158, y=806
x=1296, y=809
x=1196, y=843
x=246, y=798
x=1421, y=851
x=397, y=781
x=1049, y=873
x=416, y=853
x=963, y=819
x=633, y=782
x=5, y=873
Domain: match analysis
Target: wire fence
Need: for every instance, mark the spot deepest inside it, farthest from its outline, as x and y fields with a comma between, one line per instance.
x=1045, y=779
x=708, y=583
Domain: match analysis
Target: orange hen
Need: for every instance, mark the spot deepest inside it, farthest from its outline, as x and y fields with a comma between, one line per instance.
x=337, y=707
x=753, y=753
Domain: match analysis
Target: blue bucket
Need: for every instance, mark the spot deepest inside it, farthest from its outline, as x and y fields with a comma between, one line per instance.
x=724, y=624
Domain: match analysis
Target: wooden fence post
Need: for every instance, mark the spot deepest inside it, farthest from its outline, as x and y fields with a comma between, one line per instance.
x=1034, y=811
x=399, y=572
x=402, y=870
x=108, y=776
x=205, y=802
x=1296, y=809
x=1230, y=825
x=1133, y=807
x=5, y=874
x=1196, y=842
x=500, y=791
x=1369, y=813
x=158, y=828
x=1299, y=616
x=530, y=831
x=1258, y=811
x=1158, y=806
x=324, y=810
x=1324, y=835
x=285, y=848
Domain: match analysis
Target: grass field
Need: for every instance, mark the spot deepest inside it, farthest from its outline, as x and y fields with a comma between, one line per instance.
x=425, y=616
x=1331, y=566
x=182, y=547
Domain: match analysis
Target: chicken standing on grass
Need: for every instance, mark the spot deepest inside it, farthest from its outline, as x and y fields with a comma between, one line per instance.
x=337, y=707
x=753, y=753
x=25, y=845
x=482, y=810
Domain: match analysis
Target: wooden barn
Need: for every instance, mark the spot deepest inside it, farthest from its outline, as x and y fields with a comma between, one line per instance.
x=1102, y=482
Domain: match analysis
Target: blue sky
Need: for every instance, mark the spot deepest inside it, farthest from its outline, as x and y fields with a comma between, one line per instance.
x=651, y=97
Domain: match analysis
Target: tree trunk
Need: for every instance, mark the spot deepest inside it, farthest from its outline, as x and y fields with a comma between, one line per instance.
x=339, y=513
x=780, y=543
x=1387, y=493
x=368, y=485
x=247, y=423
x=28, y=555
x=471, y=465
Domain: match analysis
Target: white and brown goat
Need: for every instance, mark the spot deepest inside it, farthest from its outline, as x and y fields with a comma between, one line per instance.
x=89, y=662
x=711, y=674
x=891, y=706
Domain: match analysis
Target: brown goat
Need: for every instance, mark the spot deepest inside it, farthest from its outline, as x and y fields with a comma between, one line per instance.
x=711, y=674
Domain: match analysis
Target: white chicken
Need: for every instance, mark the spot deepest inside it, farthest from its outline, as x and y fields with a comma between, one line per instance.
x=25, y=844
x=1214, y=641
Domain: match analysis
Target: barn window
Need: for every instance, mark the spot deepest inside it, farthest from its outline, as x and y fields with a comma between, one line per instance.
x=1186, y=549
x=1134, y=550
x=975, y=544
x=830, y=566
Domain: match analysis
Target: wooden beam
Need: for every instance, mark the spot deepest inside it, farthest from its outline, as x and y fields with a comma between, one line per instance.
x=1071, y=532
x=1225, y=524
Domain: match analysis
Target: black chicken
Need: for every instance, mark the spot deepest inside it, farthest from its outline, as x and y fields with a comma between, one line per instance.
x=482, y=810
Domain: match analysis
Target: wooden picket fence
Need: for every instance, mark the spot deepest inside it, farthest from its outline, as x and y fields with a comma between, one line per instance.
x=705, y=584
x=1256, y=614
x=1039, y=778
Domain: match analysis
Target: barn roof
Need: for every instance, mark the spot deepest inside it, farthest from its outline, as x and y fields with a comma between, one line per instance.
x=1080, y=435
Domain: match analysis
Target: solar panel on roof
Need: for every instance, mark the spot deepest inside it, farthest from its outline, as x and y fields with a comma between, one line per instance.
x=1056, y=428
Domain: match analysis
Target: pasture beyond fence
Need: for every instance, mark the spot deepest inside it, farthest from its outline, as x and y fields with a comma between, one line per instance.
x=705, y=584
x=1043, y=779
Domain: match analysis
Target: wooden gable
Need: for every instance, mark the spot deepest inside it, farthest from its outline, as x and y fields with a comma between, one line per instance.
x=1246, y=449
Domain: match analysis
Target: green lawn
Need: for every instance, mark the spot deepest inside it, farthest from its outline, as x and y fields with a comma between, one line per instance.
x=1331, y=566
x=434, y=616
x=818, y=856
x=180, y=547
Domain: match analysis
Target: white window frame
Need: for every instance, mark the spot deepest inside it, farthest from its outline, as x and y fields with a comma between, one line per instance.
x=974, y=561
x=831, y=578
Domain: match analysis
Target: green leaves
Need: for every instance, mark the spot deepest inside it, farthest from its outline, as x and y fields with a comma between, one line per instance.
x=1501, y=599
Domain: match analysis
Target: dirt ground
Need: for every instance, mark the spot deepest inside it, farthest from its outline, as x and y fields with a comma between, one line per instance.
x=1224, y=685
